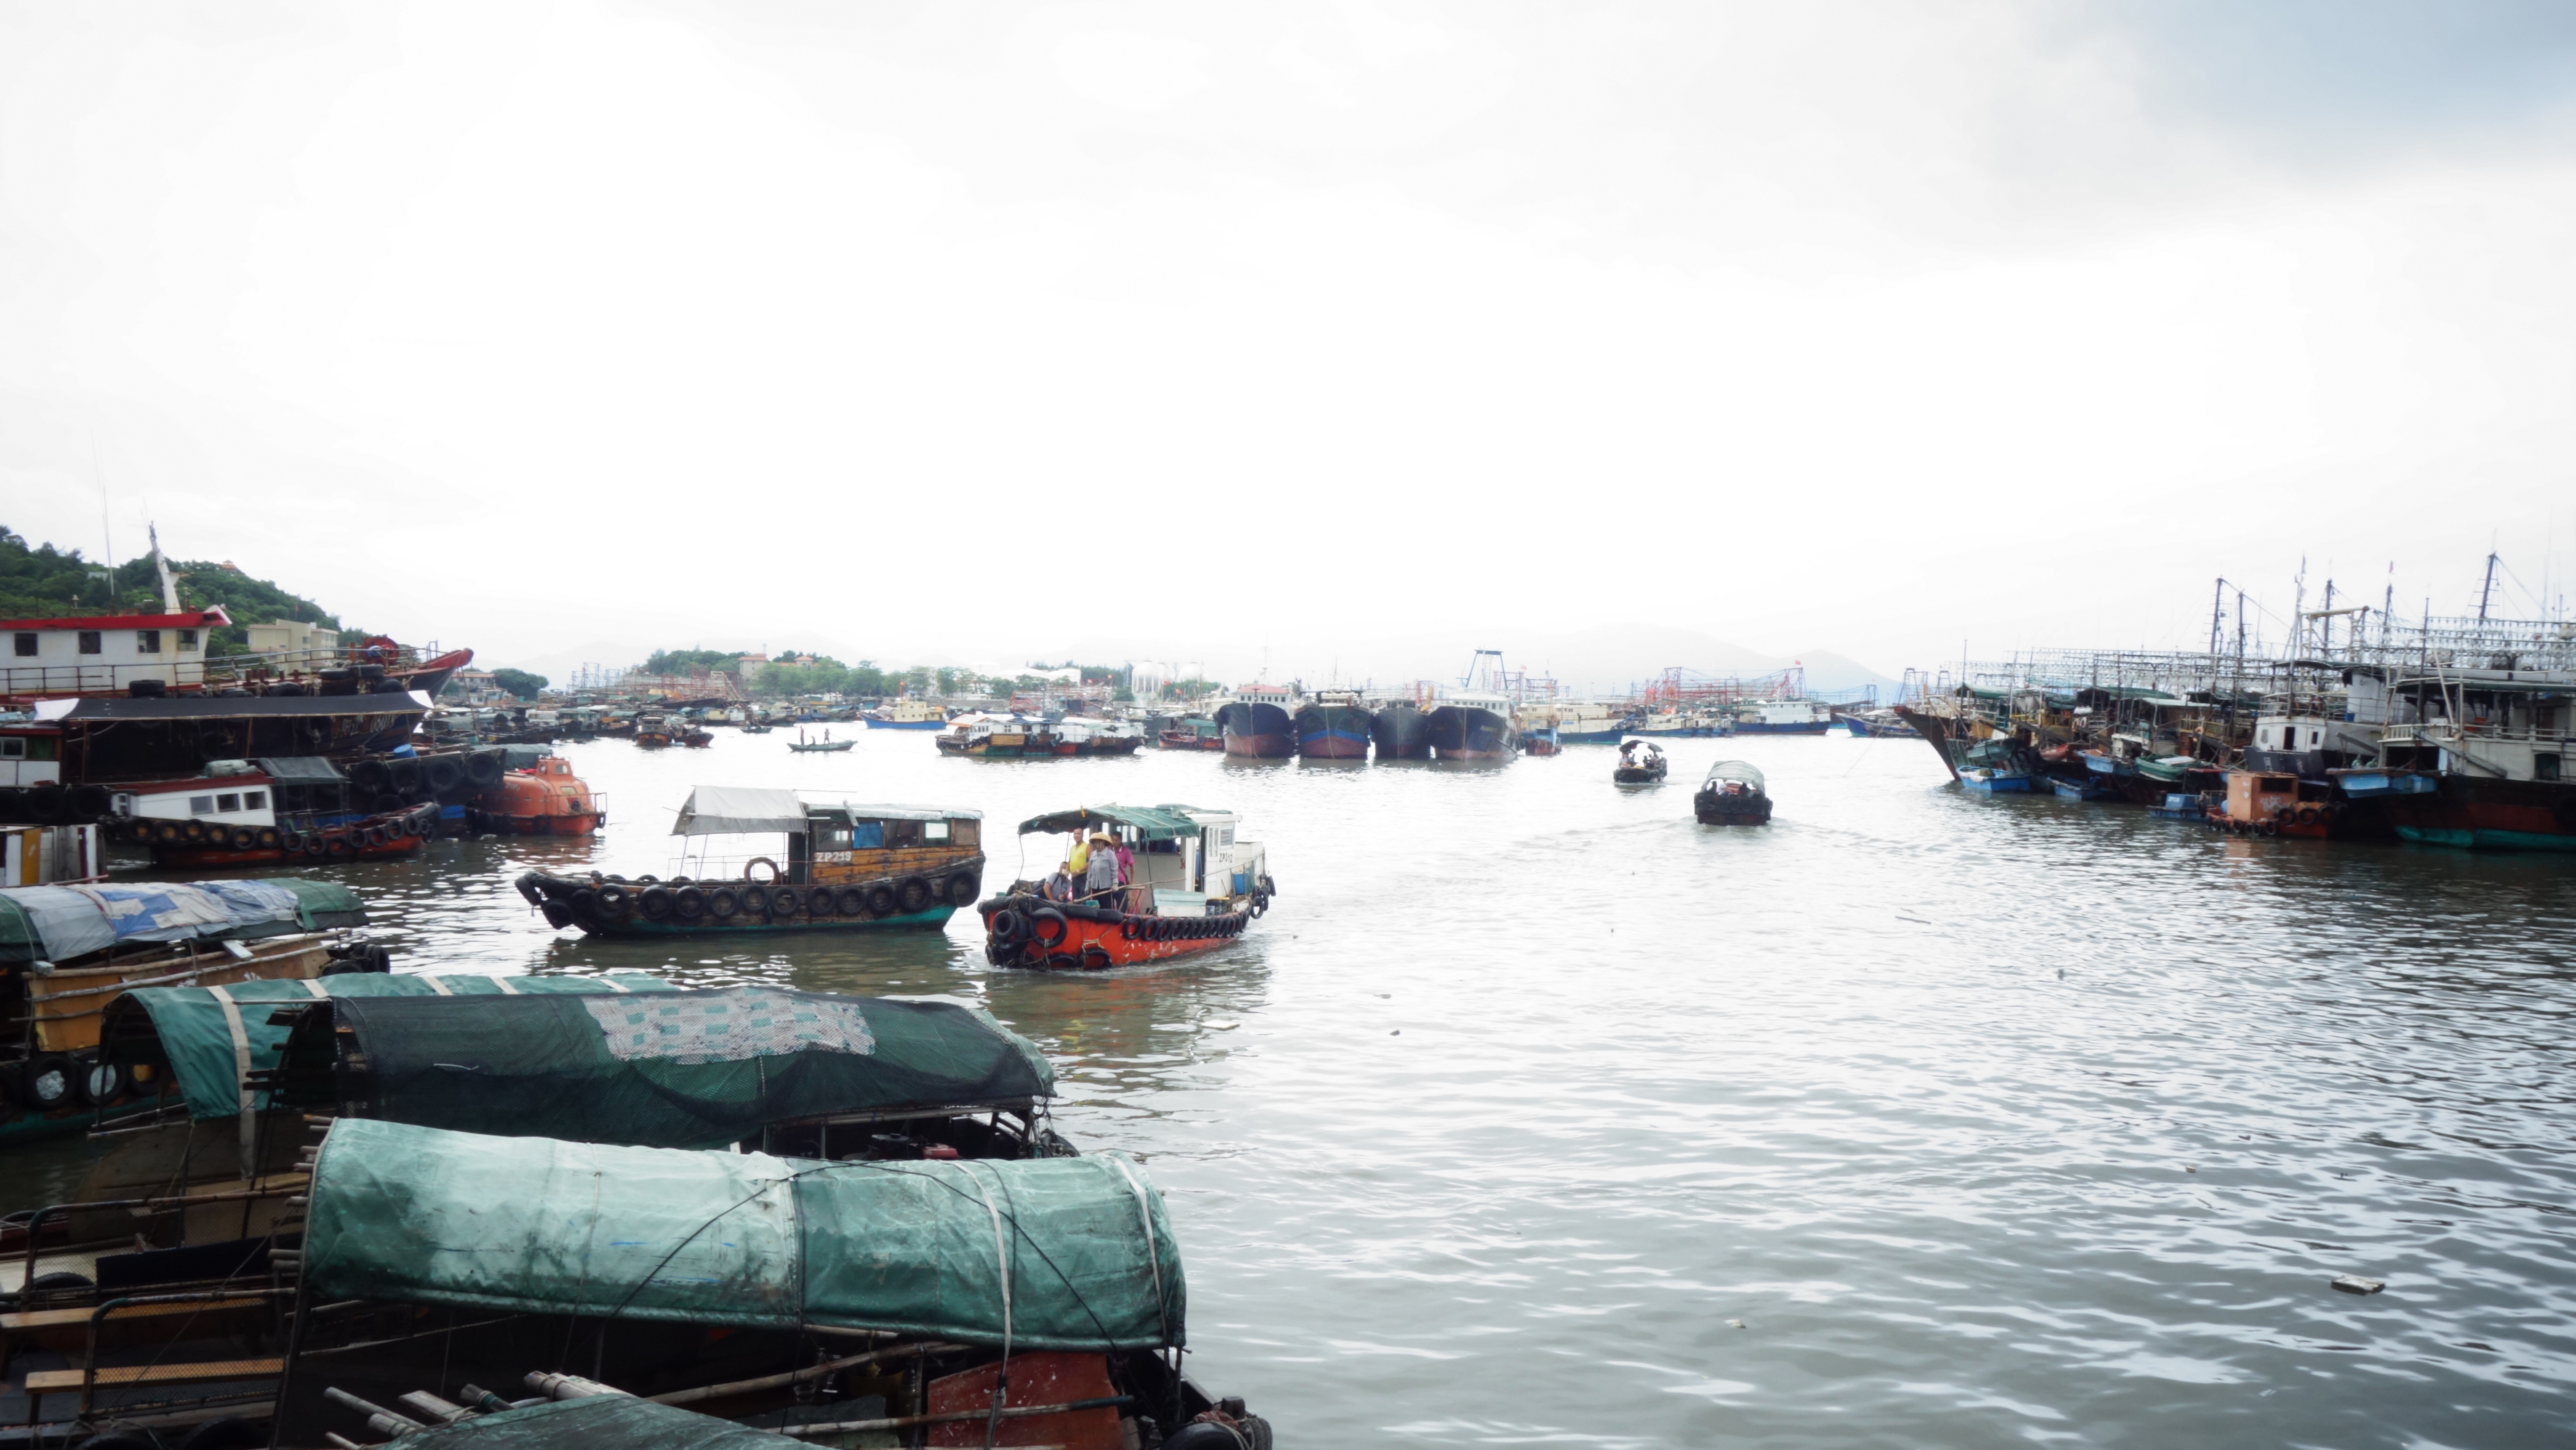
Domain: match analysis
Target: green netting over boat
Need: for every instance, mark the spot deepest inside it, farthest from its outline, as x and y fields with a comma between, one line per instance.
x=601, y=1422
x=674, y=1070
x=191, y=1034
x=534, y=1225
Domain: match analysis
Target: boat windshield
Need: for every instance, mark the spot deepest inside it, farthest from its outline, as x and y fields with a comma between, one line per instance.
x=1736, y=771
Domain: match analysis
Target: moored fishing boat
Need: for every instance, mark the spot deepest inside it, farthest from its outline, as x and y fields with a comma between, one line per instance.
x=1256, y=723
x=1469, y=727
x=70, y=955
x=1588, y=722
x=2282, y=803
x=1333, y=726
x=268, y=811
x=1190, y=886
x=848, y=867
x=1733, y=793
x=1400, y=732
x=824, y=745
x=1192, y=733
x=1641, y=762
x=908, y=714
x=1783, y=717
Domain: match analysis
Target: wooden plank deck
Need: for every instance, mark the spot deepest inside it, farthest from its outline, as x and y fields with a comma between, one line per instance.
x=127, y=1376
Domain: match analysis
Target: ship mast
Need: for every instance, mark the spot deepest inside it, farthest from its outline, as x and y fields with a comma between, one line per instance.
x=170, y=587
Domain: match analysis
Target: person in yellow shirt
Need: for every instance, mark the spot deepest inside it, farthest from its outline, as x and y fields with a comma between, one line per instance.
x=1079, y=861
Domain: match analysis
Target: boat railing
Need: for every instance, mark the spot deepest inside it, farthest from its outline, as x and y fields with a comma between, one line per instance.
x=100, y=678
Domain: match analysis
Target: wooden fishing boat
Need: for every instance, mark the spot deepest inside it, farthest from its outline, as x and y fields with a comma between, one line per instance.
x=907, y=714
x=1732, y=794
x=1193, y=734
x=839, y=1297
x=847, y=867
x=71, y=953
x=826, y=745
x=1018, y=737
x=1641, y=762
x=1192, y=887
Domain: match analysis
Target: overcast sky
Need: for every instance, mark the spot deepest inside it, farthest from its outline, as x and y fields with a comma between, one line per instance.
x=1365, y=334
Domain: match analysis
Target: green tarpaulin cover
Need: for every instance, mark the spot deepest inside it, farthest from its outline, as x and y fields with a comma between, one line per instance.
x=195, y=1034
x=1151, y=823
x=534, y=1225
x=674, y=1070
x=601, y=1422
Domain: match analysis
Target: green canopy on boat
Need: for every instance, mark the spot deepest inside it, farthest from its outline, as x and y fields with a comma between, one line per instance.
x=698, y=1069
x=206, y=1036
x=1044, y=1253
x=1151, y=823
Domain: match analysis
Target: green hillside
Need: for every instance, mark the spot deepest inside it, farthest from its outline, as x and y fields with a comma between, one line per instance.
x=42, y=582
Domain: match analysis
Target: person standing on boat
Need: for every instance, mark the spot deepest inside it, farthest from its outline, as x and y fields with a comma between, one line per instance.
x=1102, y=878
x=1077, y=861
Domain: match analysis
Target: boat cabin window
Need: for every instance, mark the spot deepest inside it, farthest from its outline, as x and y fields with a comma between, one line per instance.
x=187, y=639
x=830, y=836
x=2544, y=767
x=225, y=804
x=201, y=805
x=26, y=644
x=934, y=833
x=147, y=641
x=965, y=833
x=902, y=834
x=89, y=643
x=13, y=748
x=254, y=800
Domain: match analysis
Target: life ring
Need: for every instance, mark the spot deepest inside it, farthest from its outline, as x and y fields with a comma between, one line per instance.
x=771, y=879
x=852, y=901
x=880, y=900
x=755, y=899
x=783, y=901
x=688, y=903
x=913, y=894
x=723, y=902
x=1041, y=918
x=655, y=903
x=961, y=890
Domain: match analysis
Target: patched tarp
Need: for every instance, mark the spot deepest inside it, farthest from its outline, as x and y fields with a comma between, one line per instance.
x=1046, y=1253
x=697, y=1069
x=60, y=923
x=598, y=1422
x=720, y=810
x=194, y=1033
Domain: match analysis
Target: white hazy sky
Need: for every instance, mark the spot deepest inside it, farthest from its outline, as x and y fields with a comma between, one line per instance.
x=1216, y=332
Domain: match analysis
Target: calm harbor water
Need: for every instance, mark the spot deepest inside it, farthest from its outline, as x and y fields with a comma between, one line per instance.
x=1536, y=1113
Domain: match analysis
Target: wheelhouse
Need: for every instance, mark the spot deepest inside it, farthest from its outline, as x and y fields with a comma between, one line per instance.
x=816, y=839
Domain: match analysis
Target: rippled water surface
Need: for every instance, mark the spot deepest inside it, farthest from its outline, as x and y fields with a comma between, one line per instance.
x=1536, y=1113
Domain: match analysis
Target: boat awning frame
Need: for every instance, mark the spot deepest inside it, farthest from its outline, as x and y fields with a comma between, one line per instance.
x=740, y=810
x=1151, y=823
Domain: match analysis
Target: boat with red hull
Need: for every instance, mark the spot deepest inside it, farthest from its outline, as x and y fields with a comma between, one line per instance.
x=1257, y=725
x=1191, y=887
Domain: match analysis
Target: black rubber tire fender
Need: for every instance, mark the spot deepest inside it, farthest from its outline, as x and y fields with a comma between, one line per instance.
x=610, y=899
x=443, y=773
x=47, y=1082
x=484, y=769
x=314, y=845
x=655, y=903
x=913, y=894
x=881, y=901
x=784, y=901
x=1004, y=925
x=723, y=903
x=821, y=901
x=405, y=775
x=169, y=833
x=961, y=890
x=43, y=804
x=1127, y=929
x=558, y=914
x=1038, y=921
x=755, y=899
x=688, y=903
x=192, y=832
x=851, y=900
x=337, y=846
x=89, y=802
x=270, y=837
x=96, y=1083
x=243, y=838
x=371, y=775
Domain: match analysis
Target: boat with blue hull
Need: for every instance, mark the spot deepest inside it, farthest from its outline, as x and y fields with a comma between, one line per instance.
x=1401, y=732
x=1257, y=724
x=1333, y=726
x=908, y=715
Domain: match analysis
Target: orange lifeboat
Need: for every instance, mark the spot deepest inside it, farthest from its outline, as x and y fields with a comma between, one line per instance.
x=546, y=799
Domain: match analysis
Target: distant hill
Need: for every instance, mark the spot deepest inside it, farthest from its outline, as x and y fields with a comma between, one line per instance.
x=43, y=582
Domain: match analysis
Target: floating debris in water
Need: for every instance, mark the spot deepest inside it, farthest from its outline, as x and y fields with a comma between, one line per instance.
x=1223, y=1026
x=1735, y=1324
x=1399, y=1032
x=2356, y=1284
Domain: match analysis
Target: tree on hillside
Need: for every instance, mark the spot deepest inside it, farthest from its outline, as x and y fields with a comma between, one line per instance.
x=519, y=683
x=682, y=661
x=47, y=583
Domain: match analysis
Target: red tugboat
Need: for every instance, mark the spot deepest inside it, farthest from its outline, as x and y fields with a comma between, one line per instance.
x=1189, y=886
